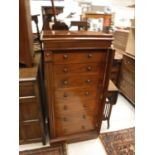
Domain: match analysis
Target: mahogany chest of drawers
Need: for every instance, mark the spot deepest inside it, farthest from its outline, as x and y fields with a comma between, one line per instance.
x=127, y=77
x=31, y=128
x=77, y=69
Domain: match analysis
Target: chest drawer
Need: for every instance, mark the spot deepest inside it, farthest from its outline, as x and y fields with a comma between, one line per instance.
x=26, y=89
x=78, y=105
x=77, y=81
x=67, y=69
x=76, y=57
x=29, y=109
x=71, y=125
x=69, y=95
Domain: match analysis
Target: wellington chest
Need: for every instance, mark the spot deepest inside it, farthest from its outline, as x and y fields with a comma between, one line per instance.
x=77, y=67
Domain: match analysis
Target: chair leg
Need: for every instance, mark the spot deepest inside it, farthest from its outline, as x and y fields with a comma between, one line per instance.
x=108, y=123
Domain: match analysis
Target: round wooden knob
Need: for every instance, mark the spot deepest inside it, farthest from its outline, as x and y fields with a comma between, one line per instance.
x=65, y=56
x=89, y=68
x=84, y=105
x=84, y=116
x=101, y=97
x=88, y=81
x=83, y=127
x=86, y=93
x=65, y=130
x=65, y=119
x=65, y=82
x=48, y=54
x=65, y=95
x=65, y=70
x=65, y=107
x=90, y=55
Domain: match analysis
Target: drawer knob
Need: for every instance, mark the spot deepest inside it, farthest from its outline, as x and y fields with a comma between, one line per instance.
x=83, y=127
x=84, y=116
x=65, y=56
x=47, y=54
x=88, y=81
x=65, y=119
x=86, y=93
x=65, y=82
x=89, y=68
x=101, y=97
x=65, y=70
x=65, y=95
x=65, y=107
x=90, y=55
x=84, y=105
x=65, y=130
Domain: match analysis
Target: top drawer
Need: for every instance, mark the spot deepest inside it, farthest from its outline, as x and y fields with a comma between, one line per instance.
x=26, y=89
x=76, y=57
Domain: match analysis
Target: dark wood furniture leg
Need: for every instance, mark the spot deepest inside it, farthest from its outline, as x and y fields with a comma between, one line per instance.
x=110, y=101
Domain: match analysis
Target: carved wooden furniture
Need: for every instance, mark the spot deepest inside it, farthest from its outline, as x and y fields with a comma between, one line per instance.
x=25, y=34
x=48, y=13
x=31, y=124
x=106, y=19
x=82, y=25
x=77, y=67
x=127, y=77
x=111, y=100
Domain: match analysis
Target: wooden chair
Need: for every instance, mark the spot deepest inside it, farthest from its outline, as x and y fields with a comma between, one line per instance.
x=111, y=100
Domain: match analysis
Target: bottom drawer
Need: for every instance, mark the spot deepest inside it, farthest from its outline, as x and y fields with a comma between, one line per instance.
x=79, y=126
x=30, y=132
x=74, y=125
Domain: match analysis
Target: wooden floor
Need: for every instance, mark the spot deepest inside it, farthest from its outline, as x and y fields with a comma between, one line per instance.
x=56, y=150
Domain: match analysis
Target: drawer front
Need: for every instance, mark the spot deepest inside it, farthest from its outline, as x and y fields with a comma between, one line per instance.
x=74, y=125
x=29, y=109
x=30, y=131
x=26, y=89
x=128, y=63
x=79, y=57
x=78, y=68
x=83, y=106
x=70, y=95
x=77, y=81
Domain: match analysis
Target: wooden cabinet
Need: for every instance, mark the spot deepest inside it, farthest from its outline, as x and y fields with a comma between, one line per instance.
x=31, y=127
x=77, y=68
x=127, y=77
